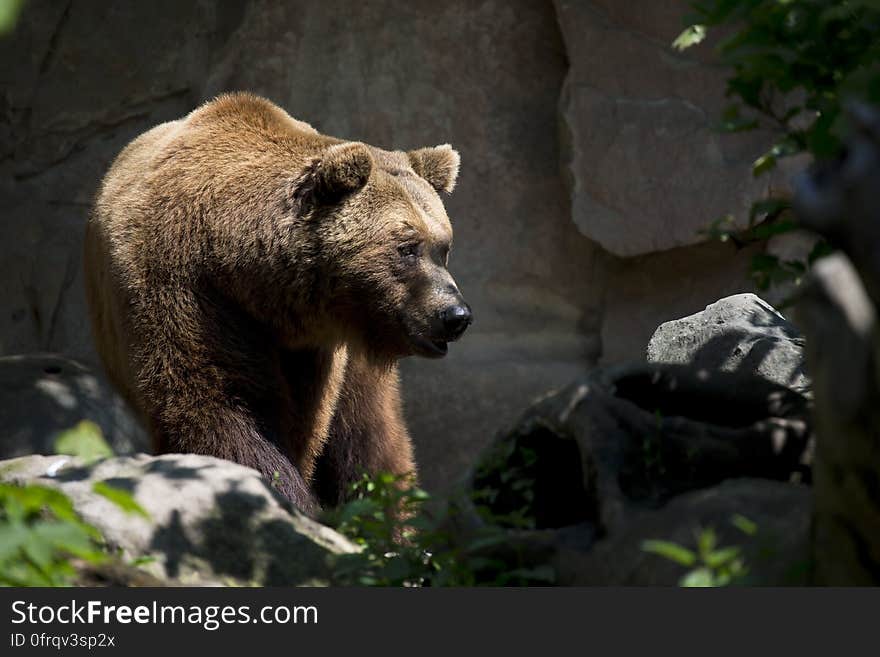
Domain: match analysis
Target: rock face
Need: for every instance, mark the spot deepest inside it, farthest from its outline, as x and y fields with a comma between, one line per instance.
x=738, y=333
x=632, y=118
x=43, y=394
x=211, y=521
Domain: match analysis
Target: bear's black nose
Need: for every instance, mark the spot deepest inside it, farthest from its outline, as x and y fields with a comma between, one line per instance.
x=456, y=319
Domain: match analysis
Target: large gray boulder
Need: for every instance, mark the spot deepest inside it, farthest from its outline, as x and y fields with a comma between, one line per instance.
x=740, y=333
x=210, y=521
x=633, y=111
x=42, y=395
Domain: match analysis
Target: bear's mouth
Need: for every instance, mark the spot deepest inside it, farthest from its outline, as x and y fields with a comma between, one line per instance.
x=428, y=347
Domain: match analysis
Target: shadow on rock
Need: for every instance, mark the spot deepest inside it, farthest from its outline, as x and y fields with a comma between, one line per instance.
x=585, y=465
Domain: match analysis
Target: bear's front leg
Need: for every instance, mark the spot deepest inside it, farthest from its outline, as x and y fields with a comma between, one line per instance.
x=367, y=435
x=209, y=381
x=231, y=433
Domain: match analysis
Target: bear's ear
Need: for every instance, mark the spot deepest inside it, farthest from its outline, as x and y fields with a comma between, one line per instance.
x=343, y=169
x=437, y=165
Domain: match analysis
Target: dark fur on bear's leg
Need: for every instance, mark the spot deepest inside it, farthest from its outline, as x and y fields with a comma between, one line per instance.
x=226, y=401
x=367, y=435
x=233, y=439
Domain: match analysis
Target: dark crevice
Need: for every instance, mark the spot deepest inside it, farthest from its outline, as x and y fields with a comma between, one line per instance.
x=541, y=482
x=52, y=48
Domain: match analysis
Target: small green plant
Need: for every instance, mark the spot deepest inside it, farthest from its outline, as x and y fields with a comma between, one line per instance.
x=9, y=12
x=41, y=533
x=85, y=440
x=504, y=492
x=121, y=498
x=708, y=564
x=382, y=517
x=794, y=64
x=403, y=543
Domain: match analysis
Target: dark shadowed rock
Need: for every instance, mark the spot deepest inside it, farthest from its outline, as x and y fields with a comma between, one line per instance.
x=645, y=452
x=838, y=309
x=211, y=521
x=42, y=395
x=626, y=439
x=776, y=554
x=740, y=333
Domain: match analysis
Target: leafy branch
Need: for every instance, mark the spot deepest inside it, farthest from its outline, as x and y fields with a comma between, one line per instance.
x=794, y=63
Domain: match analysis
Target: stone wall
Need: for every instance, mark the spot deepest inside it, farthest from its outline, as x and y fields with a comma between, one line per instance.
x=588, y=165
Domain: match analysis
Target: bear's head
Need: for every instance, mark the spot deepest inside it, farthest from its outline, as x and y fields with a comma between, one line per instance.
x=383, y=242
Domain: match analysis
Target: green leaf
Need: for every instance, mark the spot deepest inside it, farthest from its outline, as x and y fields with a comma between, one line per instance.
x=743, y=524
x=701, y=577
x=690, y=37
x=763, y=164
x=768, y=208
x=21, y=501
x=671, y=551
x=738, y=125
x=121, y=498
x=769, y=229
x=141, y=561
x=706, y=541
x=722, y=557
x=821, y=140
x=84, y=440
x=65, y=537
x=12, y=538
x=819, y=250
x=9, y=12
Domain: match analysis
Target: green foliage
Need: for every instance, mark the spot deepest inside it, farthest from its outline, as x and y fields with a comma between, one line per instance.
x=379, y=518
x=9, y=12
x=691, y=36
x=84, y=440
x=708, y=564
x=505, y=484
x=743, y=524
x=403, y=543
x=40, y=532
x=794, y=64
x=121, y=498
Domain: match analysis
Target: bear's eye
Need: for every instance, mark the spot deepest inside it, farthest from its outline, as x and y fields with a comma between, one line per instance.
x=408, y=252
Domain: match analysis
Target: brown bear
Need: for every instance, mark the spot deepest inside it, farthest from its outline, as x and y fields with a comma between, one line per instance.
x=252, y=284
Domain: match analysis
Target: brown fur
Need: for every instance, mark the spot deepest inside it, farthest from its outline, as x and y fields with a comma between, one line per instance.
x=249, y=297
